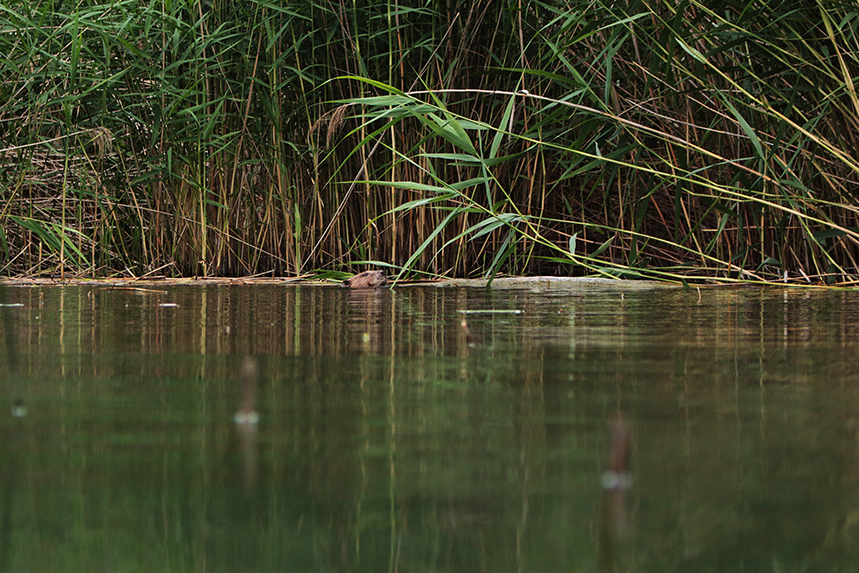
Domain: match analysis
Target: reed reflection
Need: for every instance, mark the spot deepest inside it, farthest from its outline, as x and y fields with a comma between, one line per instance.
x=247, y=419
x=616, y=481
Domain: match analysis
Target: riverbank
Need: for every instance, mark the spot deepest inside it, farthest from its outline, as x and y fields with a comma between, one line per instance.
x=533, y=284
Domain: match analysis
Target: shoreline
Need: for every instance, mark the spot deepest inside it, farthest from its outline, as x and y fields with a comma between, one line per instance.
x=537, y=283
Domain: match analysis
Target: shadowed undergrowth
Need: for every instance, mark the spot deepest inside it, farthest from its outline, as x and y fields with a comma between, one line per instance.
x=636, y=139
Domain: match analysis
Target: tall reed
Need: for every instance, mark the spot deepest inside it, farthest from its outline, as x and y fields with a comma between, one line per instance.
x=678, y=141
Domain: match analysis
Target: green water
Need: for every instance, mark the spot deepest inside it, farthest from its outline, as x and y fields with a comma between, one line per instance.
x=387, y=442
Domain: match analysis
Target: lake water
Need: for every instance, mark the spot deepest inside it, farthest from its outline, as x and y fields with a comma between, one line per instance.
x=394, y=437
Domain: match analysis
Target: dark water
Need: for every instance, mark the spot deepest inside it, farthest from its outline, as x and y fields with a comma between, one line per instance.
x=387, y=443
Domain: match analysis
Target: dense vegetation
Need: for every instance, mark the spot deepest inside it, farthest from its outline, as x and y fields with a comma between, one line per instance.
x=206, y=137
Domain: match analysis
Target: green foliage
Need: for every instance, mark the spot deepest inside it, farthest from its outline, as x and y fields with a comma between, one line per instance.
x=662, y=140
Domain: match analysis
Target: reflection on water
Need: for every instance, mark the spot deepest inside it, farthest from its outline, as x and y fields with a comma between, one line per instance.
x=413, y=430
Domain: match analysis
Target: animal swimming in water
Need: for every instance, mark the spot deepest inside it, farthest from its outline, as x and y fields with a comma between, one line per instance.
x=367, y=279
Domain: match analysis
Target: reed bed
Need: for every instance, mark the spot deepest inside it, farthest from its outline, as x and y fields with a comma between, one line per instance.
x=679, y=141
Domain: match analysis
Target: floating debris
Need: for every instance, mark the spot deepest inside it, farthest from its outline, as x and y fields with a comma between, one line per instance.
x=488, y=311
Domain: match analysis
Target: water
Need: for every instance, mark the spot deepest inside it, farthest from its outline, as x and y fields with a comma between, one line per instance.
x=388, y=442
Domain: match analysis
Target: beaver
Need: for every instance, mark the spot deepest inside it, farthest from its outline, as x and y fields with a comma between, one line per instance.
x=367, y=279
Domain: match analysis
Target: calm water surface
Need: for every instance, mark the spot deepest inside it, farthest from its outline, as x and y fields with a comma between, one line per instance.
x=388, y=442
